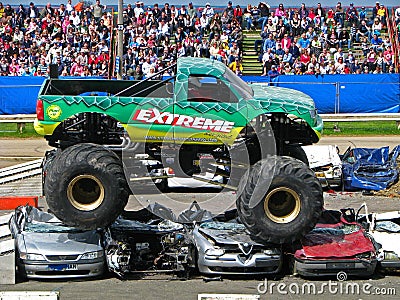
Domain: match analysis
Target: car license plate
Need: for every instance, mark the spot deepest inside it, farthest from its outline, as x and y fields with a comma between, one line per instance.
x=63, y=267
x=263, y=263
x=320, y=174
x=341, y=265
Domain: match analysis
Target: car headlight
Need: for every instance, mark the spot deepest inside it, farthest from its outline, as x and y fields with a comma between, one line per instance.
x=389, y=255
x=215, y=252
x=31, y=256
x=337, y=172
x=92, y=255
x=271, y=252
x=366, y=255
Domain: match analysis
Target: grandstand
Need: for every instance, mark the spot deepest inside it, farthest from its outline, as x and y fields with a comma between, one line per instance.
x=80, y=38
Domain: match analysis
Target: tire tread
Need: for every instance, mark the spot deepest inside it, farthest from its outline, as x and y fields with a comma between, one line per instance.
x=281, y=167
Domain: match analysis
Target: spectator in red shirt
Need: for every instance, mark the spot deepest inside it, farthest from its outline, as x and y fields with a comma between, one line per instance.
x=102, y=57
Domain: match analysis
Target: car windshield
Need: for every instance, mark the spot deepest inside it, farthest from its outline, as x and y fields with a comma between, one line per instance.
x=243, y=88
x=223, y=226
x=41, y=227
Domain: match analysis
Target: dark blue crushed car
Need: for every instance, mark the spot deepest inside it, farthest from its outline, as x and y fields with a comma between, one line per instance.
x=370, y=168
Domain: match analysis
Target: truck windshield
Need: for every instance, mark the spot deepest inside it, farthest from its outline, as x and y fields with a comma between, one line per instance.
x=240, y=86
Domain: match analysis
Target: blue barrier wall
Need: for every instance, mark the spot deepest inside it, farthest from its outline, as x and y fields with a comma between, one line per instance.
x=332, y=93
x=18, y=94
x=363, y=93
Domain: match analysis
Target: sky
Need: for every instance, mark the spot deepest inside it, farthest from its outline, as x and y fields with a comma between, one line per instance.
x=200, y=3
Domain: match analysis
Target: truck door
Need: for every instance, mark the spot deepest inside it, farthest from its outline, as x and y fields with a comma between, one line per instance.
x=151, y=112
x=208, y=110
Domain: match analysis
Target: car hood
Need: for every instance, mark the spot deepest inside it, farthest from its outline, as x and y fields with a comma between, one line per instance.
x=227, y=233
x=61, y=243
x=277, y=99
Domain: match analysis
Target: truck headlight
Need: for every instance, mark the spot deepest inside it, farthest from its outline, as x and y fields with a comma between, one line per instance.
x=92, y=255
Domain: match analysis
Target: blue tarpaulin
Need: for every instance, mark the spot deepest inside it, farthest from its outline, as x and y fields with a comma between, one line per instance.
x=361, y=93
x=18, y=94
x=364, y=93
x=370, y=168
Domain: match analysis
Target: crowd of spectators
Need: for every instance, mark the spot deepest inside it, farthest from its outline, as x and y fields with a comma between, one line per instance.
x=77, y=37
x=73, y=37
x=321, y=41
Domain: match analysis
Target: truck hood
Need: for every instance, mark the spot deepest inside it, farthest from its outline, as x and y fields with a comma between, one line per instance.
x=277, y=99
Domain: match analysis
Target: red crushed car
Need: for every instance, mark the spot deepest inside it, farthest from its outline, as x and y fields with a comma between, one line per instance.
x=336, y=246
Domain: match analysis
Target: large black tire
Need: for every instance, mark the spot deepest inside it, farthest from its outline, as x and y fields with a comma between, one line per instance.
x=295, y=151
x=46, y=163
x=288, y=199
x=86, y=187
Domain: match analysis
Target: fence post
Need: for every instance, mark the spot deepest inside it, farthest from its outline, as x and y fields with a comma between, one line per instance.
x=337, y=98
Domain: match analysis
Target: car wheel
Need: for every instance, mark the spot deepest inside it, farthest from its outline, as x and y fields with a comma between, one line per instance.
x=288, y=199
x=86, y=186
x=19, y=268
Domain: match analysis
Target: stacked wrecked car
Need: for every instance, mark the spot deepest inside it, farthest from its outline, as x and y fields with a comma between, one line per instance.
x=46, y=248
x=336, y=244
x=154, y=240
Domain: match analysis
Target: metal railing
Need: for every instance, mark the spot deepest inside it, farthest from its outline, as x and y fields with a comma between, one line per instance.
x=336, y=117
x=20, y=118
x=360, y=117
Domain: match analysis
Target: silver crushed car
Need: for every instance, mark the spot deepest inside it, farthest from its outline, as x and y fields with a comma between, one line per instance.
x=46, y=248
x=227, y=249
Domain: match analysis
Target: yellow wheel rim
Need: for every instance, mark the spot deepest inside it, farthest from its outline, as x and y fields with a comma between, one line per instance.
x=85, y=192
x=282, y=205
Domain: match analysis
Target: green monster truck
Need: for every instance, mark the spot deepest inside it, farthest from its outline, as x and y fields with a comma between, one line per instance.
x=202, y=117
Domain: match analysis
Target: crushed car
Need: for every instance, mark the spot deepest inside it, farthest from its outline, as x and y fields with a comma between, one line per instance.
x=147, y=172
x=370, y=168
x=325, y=161
x=46, y=248
x=385, y=230
x=206, y=180
x=143, y=242
x=152, y=240
x=226, y=248
x=336, y=244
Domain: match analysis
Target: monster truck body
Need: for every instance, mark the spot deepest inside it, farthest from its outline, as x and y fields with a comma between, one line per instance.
x=205, y=112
